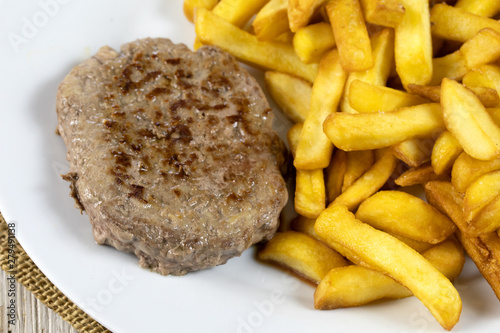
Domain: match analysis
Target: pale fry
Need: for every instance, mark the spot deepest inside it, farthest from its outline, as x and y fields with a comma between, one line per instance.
x=466, y=169
x=366, y=131
x=335, y=174
x=414, y=152
x=419, y=175
x=272, y=20
x=444, y=153
x=386, y=254
x=487, y=8
x=315, y=149
x=358, y=162
x=482, y=48
x=214, y=30
x=238, y=12
x=189, y=7
x=312, y=41
x=483, y=76
x=387, y=13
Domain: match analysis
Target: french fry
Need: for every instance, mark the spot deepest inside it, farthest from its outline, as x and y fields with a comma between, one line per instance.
x=292, y=94
x=300, y=12
x=312, y=41
x=357, y=163
x=272, y=20
x=238, y=12
x=482, y=48
x=487, y=8
x=431, y=93
x=335, y=174
x=382, y=45
x=419, y=175
x=458, y=24
x=495, y=115
x=413, y=44
x=369, y=183
x=386, y=13
x=350, y=33
x=483, y=76
x=445, y=152
x=304, y=225
x=414, y=152
x=366, y=97
x=467, y=119
x=386, y=254
x=488, y=219
x=466, y=169
x=349, y=286
x=315, y=149
x=480, y=193
x=414, y=244
x=303, y=255
x=214, y=30
x=452, y=66
x=488, y=96
x=190, y=5
x=404, y=214
x=366, y=131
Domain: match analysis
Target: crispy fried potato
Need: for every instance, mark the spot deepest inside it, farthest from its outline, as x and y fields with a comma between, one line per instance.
x=466, y=169
x=272, y=20
x=487, y=8
x=238, y=12
x=386, y=13
x=300, y=12
x=404, y=214
x=357, y=163
x=350, y=33
x=482, y=48
x=444, y=153
x=495, y=115
x=335, y=174
x=483, y=76
x=365, y=131
x=312, y=41
x=214, y=30
x=468, y=121
x=190, y=5
x=367, y=97
x=452, y=66
x=383, y=54
x=488, y=96
x=303, y=255
x=369, y=183
x=480, y=193
x=413, y=44
x=432, y=93
x=315, y=149
x=386, y=254
x=414, y=152
x=292, y=94
x=419, y=175
x=414, y=244
x=304, y=225
x=488, y=219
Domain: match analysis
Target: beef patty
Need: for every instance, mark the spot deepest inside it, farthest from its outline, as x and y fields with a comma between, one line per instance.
x=172, y=154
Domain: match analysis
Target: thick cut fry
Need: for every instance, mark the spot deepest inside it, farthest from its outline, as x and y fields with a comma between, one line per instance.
x=404, y=214
x=272, y=20
x=214, y=30
x=495, y=115
x=483, y=76
x=482, y=48
x=487, y=8
x=312, y=41
x=445, y=152
x=303, y=255
x=414, y=152
x=480, y=193
x=350, y=34
x=452, y=66
x=466, y=169
x=488, y=96
x=365, y=131
x=414, y=244
x=293, y=95
x=350, y=286
x=413, y=44
x=300, y=12
x=467, y=119
x=369, y=183
x=335, y=174
x=315, y=149
x=443, y=196
x=358, y=162
x=304, y=225
x=238, y=12
x=432, y=93
x=419, y=175
x=488, y=219
x=366, y=97
x=386, y=13
x=190, y=5
x=383, y=54
x=386, y=254
x=458, y=24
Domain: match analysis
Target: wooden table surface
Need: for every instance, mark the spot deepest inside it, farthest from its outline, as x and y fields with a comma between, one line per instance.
x=32, y=315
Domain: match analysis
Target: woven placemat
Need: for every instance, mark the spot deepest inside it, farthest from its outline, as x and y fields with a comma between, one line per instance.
x=30, y=276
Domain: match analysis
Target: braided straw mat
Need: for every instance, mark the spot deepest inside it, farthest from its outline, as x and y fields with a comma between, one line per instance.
x=30, y=276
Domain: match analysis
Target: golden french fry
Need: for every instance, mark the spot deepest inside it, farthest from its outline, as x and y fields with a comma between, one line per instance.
x=458, y=24
x=432, y=93
x=365, y=131
x=238, y=12
x=304, y=225
x=315, y=149
x=350, y=33
x=452, y=66
x=383, y=55
x=292, y=94
x=214, y=30
x=367, y=97
x=467, y=119
x=413, y=44
x=350, y=286
x=444, y=153
x=487, y=8
x=466, y=169
x=272, y=20
x=386, y=13
x=414, y=244
x=335, y=174
x=482, y=48
x=495, y=115
x=293, y=136
x=357, y=163
x=414, y=152
x=386, y=254
x=300, y=12
x=488, y=219
x=480, y=193
x=303, y=255
x=312, y=41
x=404, y=214
x=483, y=76
x=190, y=5
x=419, y=175
x=488, y=96
x=369, y=183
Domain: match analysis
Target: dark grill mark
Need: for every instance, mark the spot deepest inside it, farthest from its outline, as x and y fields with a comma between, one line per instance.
x=137, y=192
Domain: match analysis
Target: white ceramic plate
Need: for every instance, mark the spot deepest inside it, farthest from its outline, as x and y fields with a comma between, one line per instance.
x=41, y=40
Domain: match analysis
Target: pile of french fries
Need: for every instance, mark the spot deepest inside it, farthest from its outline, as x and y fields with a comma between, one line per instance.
x=387, y=96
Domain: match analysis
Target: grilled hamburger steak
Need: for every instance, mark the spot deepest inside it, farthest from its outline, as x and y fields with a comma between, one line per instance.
x=172, y=154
